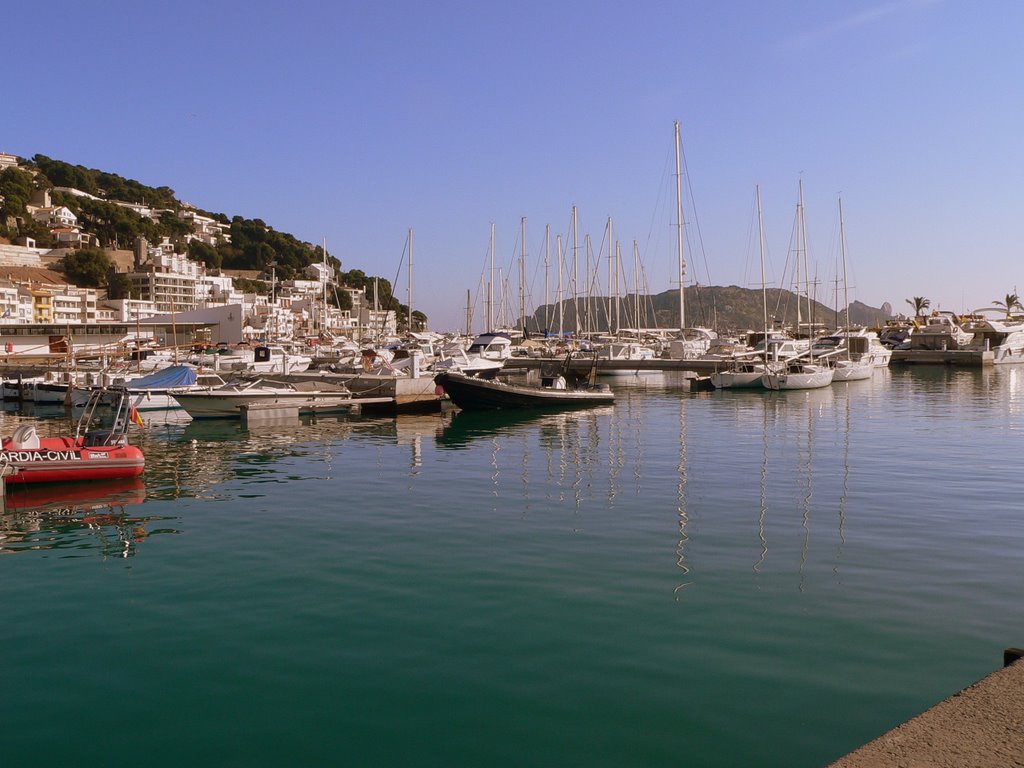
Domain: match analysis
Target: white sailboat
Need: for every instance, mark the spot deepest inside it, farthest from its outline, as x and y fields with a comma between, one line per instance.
x=746, y=370
x=799, y=372
x=847, y=367
x=690, y=342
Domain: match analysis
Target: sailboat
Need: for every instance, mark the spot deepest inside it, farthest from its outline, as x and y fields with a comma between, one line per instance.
x=747, y=369
x=690, y=342
x=799, y=372
x=848, y=368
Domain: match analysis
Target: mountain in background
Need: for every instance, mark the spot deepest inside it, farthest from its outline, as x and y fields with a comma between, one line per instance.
x=726, y=309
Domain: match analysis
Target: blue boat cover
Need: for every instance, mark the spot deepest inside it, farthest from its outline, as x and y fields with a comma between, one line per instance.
x=165, y=378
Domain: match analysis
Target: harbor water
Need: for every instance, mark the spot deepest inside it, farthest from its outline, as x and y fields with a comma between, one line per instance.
x=681, y=579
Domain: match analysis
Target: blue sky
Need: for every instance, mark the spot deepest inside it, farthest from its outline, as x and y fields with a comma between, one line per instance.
x=356, y=121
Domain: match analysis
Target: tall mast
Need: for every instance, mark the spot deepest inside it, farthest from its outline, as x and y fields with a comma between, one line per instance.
x=807, y=270
x=610, y=273
x=490, y=288
x=410, y=280
x=588, y=293
x=559, y=294
x=764, y=288
x=547, y=269
x=522, y=276
x=679, y=230
x=846, y=294
x=323, y=285
x=575, y=270
x=636, y=282
x=469, y=315
x=619, y=260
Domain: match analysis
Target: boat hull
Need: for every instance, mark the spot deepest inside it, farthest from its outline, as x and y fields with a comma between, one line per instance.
x=58, y=460
x=737, y=379
x=471, y=393
x=213, y=405
x=808, y=380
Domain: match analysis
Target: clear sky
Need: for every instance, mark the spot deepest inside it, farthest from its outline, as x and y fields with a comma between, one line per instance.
x=355, y=121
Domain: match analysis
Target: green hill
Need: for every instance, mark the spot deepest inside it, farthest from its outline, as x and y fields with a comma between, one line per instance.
x=253, y=244
x=726, y=308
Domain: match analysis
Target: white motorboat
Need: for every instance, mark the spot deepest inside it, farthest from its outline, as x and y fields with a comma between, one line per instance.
x=491, y=346
x=691, y=343
x=227, y=401
x=260, y=359
x=858, y=344
x=995, y=341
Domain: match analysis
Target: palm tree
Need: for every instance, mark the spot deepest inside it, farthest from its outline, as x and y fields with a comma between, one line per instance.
x=1009, y=303
x=920, y=304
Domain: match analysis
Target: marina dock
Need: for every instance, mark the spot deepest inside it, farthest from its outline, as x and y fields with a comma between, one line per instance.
x=980, y=726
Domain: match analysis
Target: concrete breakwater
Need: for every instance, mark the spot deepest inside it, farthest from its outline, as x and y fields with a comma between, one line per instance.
x=980, y=726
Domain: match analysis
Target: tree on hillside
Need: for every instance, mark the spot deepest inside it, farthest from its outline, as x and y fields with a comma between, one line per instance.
x=206, y=254
x=1009, y=303
x=87, y=267
x=920, y=304
x=16, y=190
x=120, y=287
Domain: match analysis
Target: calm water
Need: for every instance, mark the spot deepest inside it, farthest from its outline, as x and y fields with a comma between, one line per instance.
x=714, y=579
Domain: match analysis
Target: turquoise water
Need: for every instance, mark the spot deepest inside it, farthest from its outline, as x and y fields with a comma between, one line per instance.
x=713, y=579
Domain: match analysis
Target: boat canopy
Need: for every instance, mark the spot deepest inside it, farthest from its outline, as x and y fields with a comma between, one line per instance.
x=165, y=378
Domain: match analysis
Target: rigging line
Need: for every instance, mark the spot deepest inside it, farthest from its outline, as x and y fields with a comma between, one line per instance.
x=693, y=207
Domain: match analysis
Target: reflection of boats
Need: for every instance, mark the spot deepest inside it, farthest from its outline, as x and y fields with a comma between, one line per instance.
x=97, y=451
x=467, y=426
x=75, y=516
x=469, y=393
x=226, y=402
x=91, y=494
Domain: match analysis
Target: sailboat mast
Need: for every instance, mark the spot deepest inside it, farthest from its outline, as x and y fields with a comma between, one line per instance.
x=323, y=293
x=807, y=270
x=410, y=280
x=522, y=276
x=764, y=288
x=636, y=282
x=575, y=270
x=490, y=287
x=559, y=295
x=619, y=298
x=679, y=229
x=588, y=294
x=547, y=271
x=846, y=294
x=610, y=274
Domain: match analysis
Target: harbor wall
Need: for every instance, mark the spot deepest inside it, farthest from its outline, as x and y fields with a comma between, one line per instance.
x=980, y=726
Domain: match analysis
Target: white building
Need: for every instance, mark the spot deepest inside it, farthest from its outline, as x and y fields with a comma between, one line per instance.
x=129, y=310
x=167, y=280
x=74, y=305
x=55, y=216
x=212, y=290
x=205, y=229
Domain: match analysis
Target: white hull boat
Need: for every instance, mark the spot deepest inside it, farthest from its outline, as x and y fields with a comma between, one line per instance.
x=226, y=402
x=798, y=376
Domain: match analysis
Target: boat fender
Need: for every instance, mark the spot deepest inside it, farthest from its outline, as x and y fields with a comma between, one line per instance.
x=439, y=390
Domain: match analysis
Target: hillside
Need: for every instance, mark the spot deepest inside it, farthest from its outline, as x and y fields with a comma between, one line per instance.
x=728, y=308
x=99, y=203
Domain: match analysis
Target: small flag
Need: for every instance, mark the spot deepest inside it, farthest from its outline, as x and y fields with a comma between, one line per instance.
x=133, y=414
